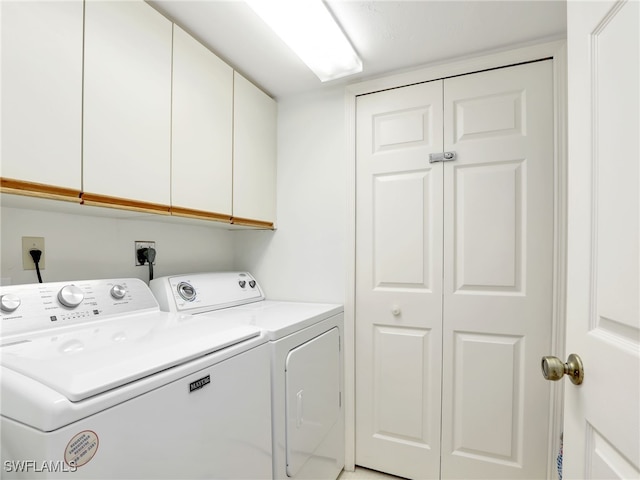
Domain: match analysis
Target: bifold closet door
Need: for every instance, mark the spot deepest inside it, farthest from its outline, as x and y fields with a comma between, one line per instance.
x=498, y=271
x=454, y=275
x=399, y=281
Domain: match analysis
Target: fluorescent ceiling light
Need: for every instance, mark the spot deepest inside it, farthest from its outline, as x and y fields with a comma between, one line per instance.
x=308, y=28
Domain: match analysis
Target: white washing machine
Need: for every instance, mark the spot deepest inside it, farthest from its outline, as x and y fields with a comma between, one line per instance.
x=97, y=382
x=306, y=364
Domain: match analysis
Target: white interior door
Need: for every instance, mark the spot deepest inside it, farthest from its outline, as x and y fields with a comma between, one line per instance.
x=498, y=270
x=602, y=416
x=399, y=281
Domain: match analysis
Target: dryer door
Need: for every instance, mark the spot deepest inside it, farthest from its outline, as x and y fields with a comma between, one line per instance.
x=313, y=402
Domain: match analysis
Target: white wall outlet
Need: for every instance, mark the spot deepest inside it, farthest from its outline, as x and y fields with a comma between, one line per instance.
x=29, y=243
x=142, y=244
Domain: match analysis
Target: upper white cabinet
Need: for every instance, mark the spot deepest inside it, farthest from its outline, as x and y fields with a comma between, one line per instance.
x=110, y=102
x=127, y=102
x=202, y=121
x=254, y=153
x=42, y=92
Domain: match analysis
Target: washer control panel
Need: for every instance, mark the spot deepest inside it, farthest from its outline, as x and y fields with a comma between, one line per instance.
x=202, y=292
x=26, y=308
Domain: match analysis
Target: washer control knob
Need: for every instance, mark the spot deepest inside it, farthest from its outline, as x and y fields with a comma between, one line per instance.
x=252, y=283
x=118, y=292
x=70, y=296
x=186, y=291
x=9, y=302
x=242, y=283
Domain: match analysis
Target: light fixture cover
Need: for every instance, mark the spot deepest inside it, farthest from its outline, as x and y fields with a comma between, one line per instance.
x=310, y=30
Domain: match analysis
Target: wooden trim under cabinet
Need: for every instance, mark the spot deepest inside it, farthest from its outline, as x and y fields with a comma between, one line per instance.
x=247, y=222
x=124, y=204
x=40, y=190
x=199, y=214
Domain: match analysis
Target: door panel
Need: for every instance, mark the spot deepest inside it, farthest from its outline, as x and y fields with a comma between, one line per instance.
x=489, y=225
x=478, y=409
x=498, y=266
x=396, y=416
x=312, y=396
x=603, y=271
x=399, y=277
x=488, y=116
x=400, y=229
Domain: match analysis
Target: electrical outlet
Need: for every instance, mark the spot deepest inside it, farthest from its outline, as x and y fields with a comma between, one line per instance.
x=29, y=243
x=142, y=244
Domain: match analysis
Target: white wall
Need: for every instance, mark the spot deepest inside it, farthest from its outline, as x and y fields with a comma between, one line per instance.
x=304, y=259
x=82, y=247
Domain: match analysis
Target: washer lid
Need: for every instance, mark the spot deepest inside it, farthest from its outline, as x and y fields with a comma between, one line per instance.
x=83, y=362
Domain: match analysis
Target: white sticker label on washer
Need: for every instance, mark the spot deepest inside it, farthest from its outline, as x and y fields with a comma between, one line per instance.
x=81, y=448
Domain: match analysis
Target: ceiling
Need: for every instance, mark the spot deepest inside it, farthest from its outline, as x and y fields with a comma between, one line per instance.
x=390, y=36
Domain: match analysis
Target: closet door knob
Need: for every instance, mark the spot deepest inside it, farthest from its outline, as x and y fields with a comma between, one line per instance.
x=395, y=310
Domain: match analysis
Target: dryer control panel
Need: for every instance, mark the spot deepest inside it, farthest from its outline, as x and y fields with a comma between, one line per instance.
x=41, y=306
x=205, y=292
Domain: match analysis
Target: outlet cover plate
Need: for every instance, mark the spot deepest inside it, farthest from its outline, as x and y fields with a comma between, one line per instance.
x=142, y=244
x=29, y=243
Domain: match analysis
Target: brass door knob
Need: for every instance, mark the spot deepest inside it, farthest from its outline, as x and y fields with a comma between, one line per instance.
x=554, y=369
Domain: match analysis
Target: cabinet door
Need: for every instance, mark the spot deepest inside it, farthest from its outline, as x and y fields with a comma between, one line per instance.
x=202, y=120
x=42, y=92
x=254, y=152
x=127, y=101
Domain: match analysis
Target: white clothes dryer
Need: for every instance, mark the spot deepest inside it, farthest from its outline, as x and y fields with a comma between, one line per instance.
x=306, y=364
x=97, y=382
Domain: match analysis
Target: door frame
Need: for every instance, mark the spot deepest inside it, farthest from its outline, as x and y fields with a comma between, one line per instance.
x=555, y=50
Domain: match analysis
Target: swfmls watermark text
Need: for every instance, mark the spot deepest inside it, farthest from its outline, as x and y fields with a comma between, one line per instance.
x=34, y=466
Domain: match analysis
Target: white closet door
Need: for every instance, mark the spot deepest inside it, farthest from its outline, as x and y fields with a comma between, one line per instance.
x=399, y=281
x=498, y=266
x=454, y=265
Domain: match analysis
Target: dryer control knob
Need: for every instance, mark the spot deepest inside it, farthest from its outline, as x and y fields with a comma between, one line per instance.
x=70, y=296
x=186, y=291
x=9, y=302
x=118, y=292
x=252, y=283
